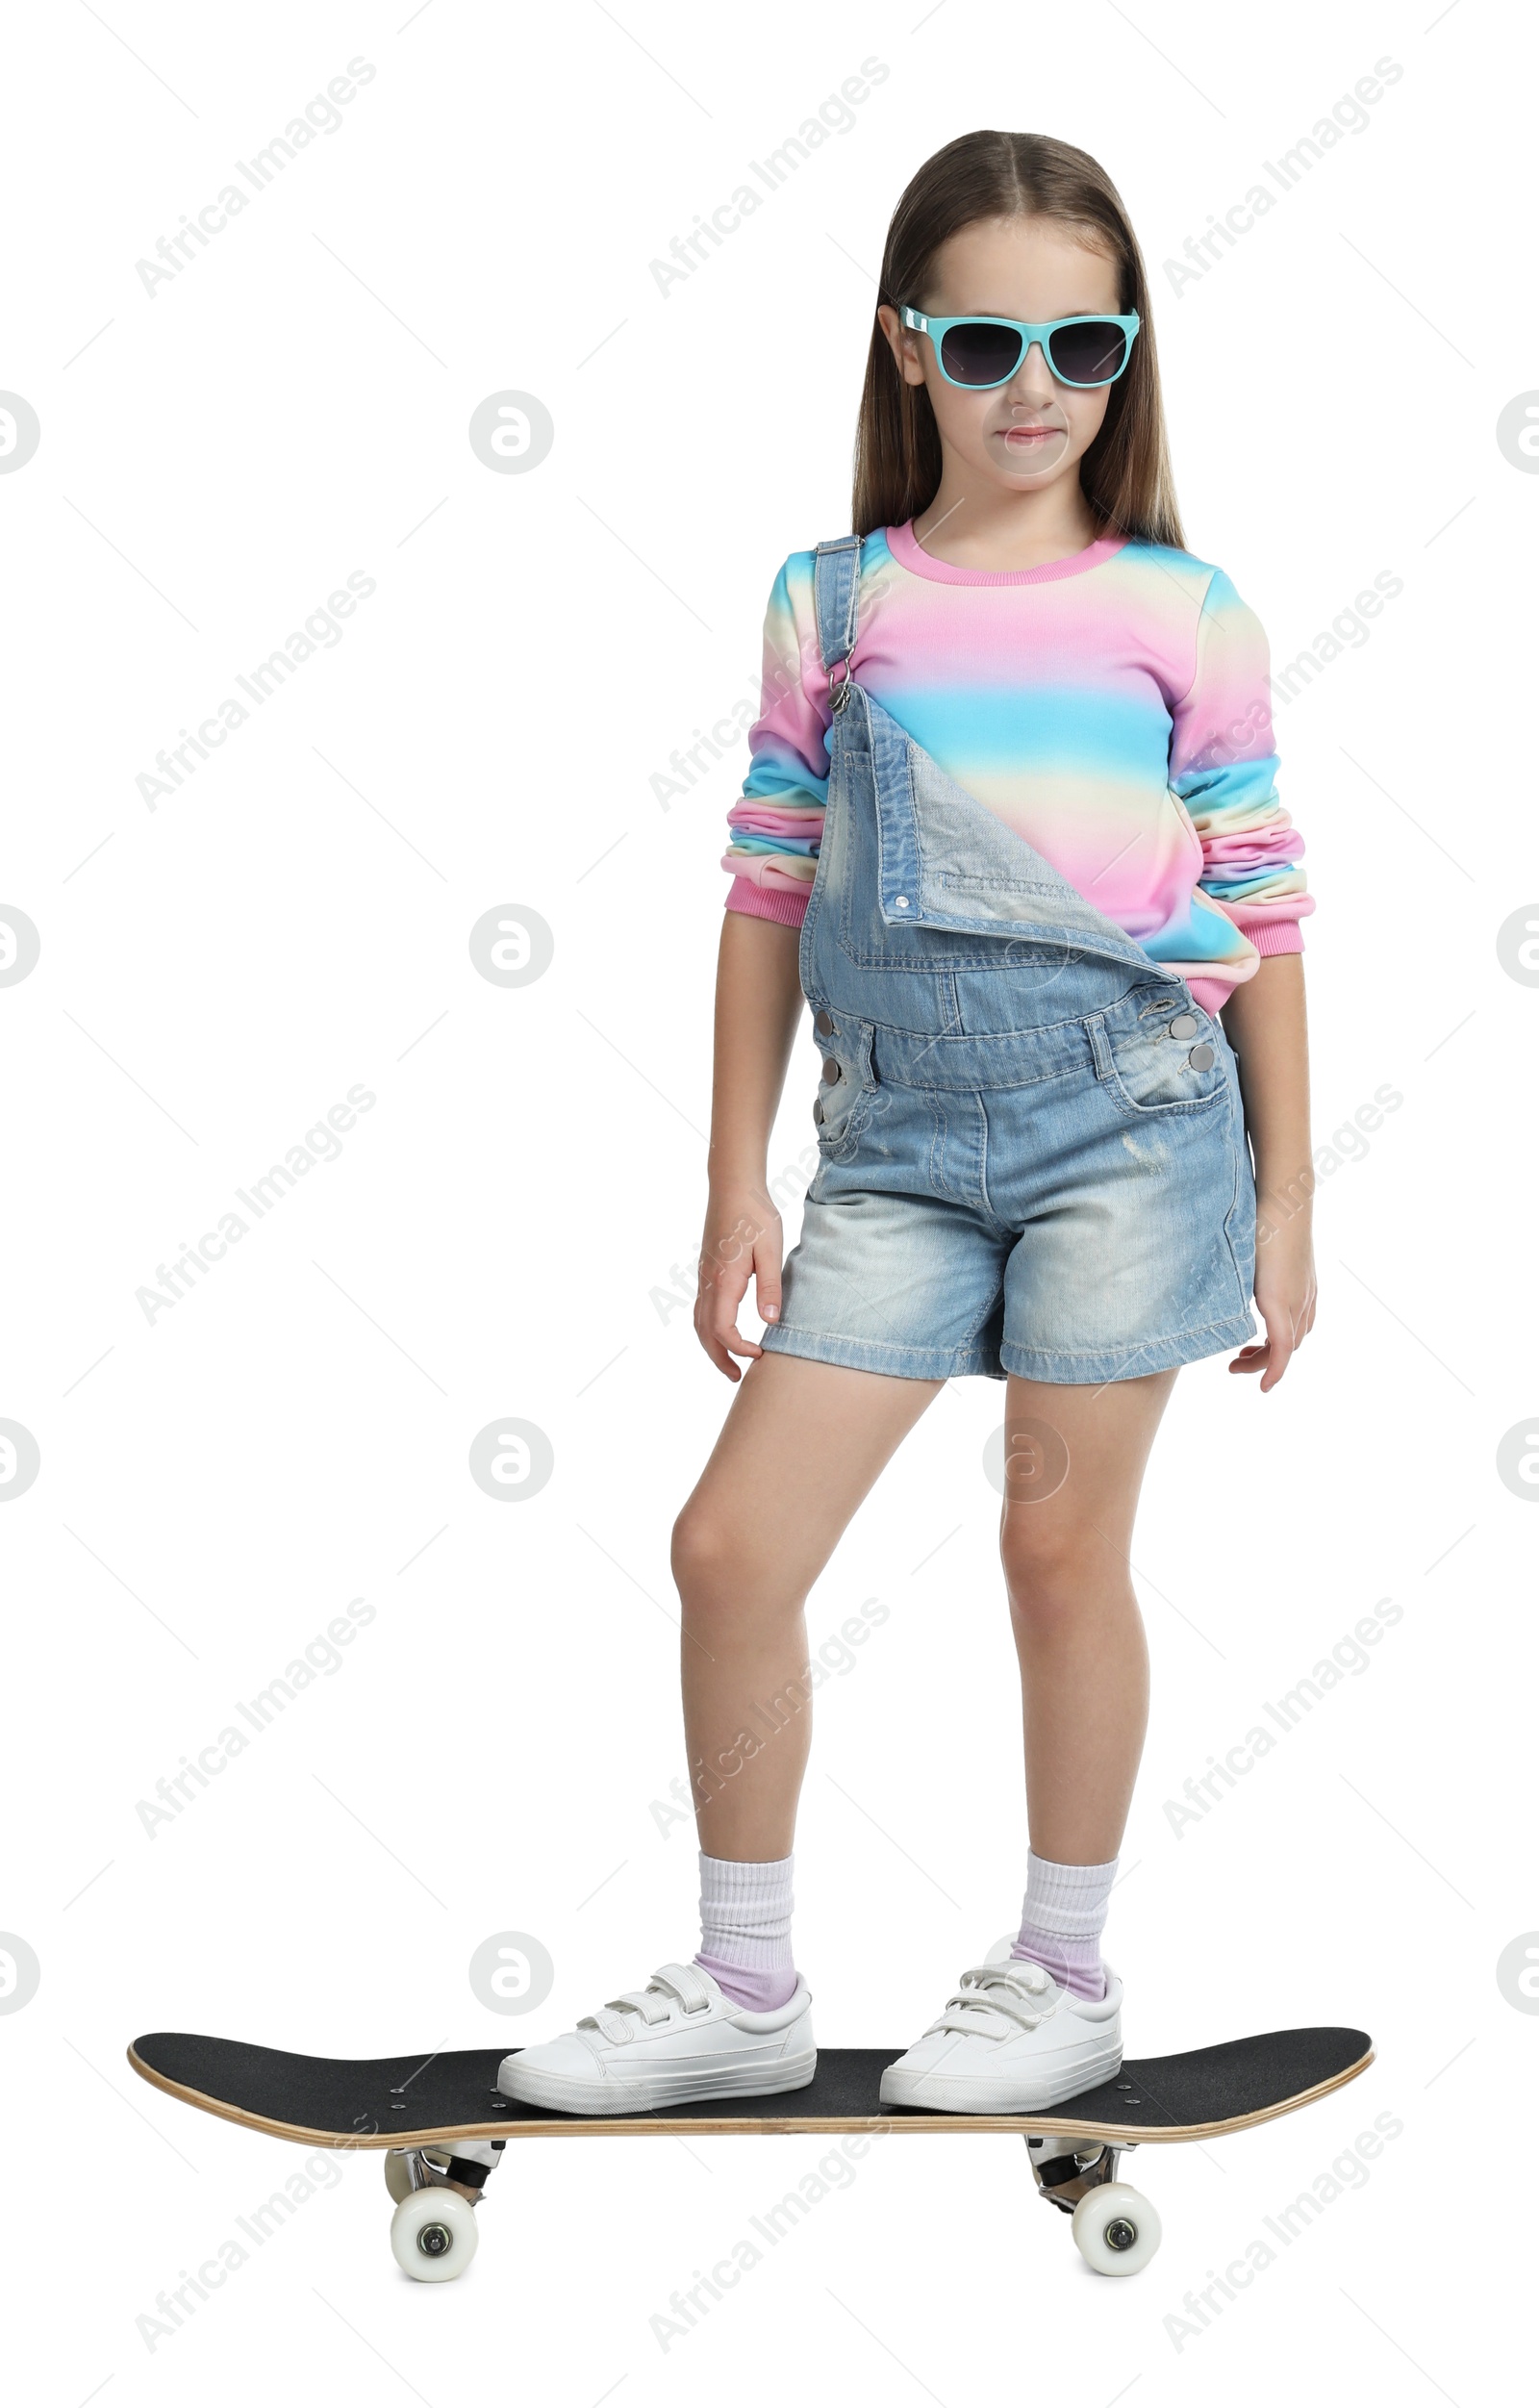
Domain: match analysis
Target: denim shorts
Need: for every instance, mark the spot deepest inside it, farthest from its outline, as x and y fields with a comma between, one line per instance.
x=1093, y=1223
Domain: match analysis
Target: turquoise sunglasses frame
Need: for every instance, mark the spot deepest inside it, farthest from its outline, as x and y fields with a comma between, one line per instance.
x=937, y=327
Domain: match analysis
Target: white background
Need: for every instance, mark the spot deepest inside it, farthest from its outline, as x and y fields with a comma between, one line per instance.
x=500, y=1233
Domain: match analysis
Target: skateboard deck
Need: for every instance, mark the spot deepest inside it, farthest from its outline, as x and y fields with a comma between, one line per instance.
x=434, y=2114
x=408, y=2102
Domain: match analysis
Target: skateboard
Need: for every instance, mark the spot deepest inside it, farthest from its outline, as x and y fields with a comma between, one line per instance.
x=434, y=2116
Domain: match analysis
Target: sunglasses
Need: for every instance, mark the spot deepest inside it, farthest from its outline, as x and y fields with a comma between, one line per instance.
x=982, y=351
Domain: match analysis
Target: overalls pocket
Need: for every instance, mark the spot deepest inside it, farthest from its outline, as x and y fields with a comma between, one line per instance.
x=1168, y=1057
x=847, y=1091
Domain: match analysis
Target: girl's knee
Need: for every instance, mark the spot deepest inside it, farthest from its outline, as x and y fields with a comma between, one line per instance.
x=702, y=1552
x=1050, y=1561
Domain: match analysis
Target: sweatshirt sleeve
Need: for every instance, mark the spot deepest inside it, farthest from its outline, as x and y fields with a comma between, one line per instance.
x=778, y=822
x=1224, y=767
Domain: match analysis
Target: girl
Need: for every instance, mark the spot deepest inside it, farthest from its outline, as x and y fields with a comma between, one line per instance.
x=1011, y=829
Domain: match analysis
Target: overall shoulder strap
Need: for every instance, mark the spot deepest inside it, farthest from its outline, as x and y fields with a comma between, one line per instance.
x=836, y=584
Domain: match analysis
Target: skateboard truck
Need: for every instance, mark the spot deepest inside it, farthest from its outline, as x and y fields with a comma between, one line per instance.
x=437, y=2189
x=1116, y=2228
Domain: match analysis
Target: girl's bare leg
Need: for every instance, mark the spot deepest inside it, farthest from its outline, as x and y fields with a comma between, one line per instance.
x=1084, y=1665
x=800, y=1448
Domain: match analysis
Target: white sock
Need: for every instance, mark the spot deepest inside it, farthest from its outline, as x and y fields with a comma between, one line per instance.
x=745, y=1929
x=1062, y=1917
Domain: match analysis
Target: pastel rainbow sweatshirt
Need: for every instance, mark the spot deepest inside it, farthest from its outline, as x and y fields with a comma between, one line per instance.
x=1113, y=709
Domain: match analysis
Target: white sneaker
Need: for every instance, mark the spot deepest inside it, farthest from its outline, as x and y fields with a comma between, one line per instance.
x=1010, y=2041
x=681, y=2038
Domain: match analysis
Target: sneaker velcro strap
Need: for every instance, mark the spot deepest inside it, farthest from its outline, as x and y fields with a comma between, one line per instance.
x=688, y=1982
x=671, y=1985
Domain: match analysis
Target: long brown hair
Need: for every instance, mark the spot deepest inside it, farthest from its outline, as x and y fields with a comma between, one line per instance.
x=1126, y=472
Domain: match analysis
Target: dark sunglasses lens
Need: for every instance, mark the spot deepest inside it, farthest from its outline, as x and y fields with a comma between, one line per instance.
x=977, y=353
x=1090, y=353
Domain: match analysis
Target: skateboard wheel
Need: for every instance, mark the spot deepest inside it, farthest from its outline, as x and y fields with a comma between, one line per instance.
x=1116, y=2229
x=433, y=2234
x=397, y=2174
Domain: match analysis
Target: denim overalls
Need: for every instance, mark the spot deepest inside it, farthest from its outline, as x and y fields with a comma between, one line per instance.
x=1033, y=1150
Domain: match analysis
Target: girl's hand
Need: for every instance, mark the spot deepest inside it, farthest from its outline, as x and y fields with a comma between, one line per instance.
x=742, y=1241
x=1284, y=1292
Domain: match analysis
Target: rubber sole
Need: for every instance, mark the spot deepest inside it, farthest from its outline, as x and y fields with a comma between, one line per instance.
x=954, y=2096
x=634, y=2098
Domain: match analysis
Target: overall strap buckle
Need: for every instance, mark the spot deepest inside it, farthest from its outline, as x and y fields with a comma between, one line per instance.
x=836, y=587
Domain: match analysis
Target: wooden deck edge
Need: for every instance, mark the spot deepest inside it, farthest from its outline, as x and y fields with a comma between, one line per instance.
x=681, y=2128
